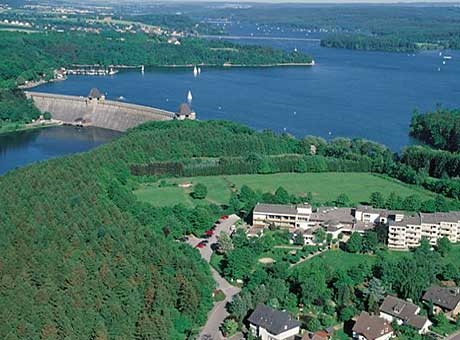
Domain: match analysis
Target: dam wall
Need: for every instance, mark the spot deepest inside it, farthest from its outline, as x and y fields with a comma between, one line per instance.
x=97, y=112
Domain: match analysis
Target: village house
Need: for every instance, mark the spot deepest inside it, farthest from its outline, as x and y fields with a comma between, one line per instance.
x=444, y=300
x=270, y=324
x=319, y=335
x=404, y=312
x=372, y=327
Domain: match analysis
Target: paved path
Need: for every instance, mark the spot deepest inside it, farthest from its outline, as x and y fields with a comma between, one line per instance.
x=211, y=331
x=309, y=257
x=454, y=336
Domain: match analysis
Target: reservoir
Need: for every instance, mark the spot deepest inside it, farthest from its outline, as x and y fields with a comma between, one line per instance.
x=347, y=94
x=24, y=147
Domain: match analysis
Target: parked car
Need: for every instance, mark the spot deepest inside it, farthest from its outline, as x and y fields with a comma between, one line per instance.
x=224, y=217
x=200, y=245
x=208, y=233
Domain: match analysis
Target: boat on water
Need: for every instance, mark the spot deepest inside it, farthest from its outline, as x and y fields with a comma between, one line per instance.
x=447, y=57
x=189, y=97
x=195, y=71
x=199, y=70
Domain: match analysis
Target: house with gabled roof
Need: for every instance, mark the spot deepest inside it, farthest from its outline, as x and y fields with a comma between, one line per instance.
x=270, y=324
x=444, y=300
x=372, y=327
x=404, y=313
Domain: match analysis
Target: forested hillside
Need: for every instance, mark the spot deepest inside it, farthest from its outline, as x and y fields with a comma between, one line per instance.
x=81, y=257
x=36, y=55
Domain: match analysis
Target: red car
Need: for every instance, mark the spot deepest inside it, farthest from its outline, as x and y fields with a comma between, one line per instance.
x=209, y=232
x=224, y=217
x=200, y=245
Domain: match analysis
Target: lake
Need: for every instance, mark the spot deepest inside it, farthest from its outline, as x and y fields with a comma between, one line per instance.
x=347, y=94
x=21, y=148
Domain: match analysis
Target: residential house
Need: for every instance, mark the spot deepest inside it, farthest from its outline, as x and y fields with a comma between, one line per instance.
x=270, y=324
x=319, y=335
x=372, y=327
x=404, y=313
x=444, y=300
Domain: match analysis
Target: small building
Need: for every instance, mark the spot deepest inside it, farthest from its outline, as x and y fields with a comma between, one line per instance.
x=185, y=112
x=270, y=324
x=444, y=300
x=95, y=94
x=404, y=312
x=318, y=335
x=372, y=327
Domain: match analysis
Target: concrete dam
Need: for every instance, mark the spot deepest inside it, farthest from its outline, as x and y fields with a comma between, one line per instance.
x=95, y=110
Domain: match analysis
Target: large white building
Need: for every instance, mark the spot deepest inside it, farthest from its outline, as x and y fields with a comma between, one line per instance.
x=303, y=221
x=405, y=230
x=408, y=231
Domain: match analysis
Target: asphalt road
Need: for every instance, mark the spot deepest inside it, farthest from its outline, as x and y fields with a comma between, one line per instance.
x=218, y=314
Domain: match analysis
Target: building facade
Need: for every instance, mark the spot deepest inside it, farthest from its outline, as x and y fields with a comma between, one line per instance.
x=405, y=230
x=408, y=231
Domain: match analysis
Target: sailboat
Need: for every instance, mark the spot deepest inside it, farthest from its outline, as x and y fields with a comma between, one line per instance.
x=195, y=71
x=189, y=97
x=199, y=70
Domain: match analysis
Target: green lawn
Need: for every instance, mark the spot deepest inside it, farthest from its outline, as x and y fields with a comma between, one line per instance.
x=341, y=259
x=324, y=186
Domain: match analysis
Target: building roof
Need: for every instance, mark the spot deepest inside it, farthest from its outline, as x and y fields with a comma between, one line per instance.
x=444, y=297
x=184, y=109
x=371, y=210
x=337, y=215
x=371, y=327
x=319, y=335
x=404, y=310
x=398, y=308
x=407, y=220
x=272, y=320
x=418, y=321
x=436, y=218
x=95, y=93
x=282, y=209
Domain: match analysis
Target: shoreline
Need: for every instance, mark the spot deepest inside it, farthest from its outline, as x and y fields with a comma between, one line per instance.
x=34, y=84
x=33, y=126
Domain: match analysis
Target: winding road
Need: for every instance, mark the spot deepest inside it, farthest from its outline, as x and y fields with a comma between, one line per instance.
x=211, y=331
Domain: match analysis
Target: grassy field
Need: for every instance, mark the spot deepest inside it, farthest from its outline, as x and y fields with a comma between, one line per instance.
x=324, y=186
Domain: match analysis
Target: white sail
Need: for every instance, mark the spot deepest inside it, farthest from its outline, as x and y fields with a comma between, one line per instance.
x=189, y=97
x=195, y=71
x=199, y=70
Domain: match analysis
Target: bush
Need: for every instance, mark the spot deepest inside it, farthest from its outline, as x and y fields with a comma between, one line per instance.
x=200, y=192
